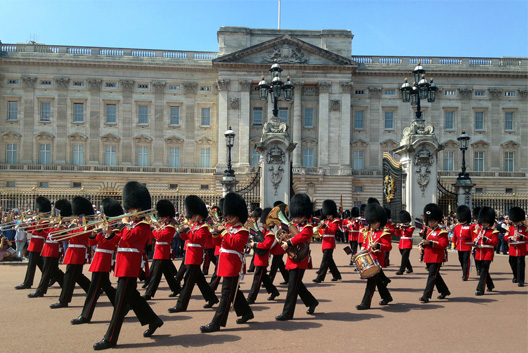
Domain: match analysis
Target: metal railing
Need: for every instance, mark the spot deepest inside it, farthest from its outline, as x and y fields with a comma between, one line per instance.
x=501, y=202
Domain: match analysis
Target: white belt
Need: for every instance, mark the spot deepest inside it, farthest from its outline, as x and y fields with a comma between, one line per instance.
x=328, y=236
x=161, y=243
x=127, y=250
x=77, y=246
x=193, y=245
x=51, y=242
x=485, y=246
x=405, y=237
x=37, y=237
x=222, y=250
x=517, y=242
x=106, y=251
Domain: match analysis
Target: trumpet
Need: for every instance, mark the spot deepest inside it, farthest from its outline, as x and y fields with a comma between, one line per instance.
x=318, y=225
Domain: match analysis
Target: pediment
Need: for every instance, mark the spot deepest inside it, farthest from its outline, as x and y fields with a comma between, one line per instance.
x=510, y=145
x=204, y=140
x=480, y=144
x=44, y=136
x=110, y=138
x=142, y=138
x=359, y=143
x=286, y=50
x=450, y=144
x=309, y=142
x=389, y=143
x=76, y=137
x=174, y=140
x=11, y=135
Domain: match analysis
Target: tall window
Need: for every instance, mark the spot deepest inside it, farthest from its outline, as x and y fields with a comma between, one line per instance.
x=509, y=165
x=174, y=157
x=478, y=162
x=78, y=155
x=508, y=121
x=78, y=112
x=205, y=158
x=174, y=116
x=111, y=114
x=11, y=153
x=308, y=157
x=283, y=115
x=257, y=116
x=309, y=117
x=479, y=120
x=111, y=155
x=142, y=156
x=45, y=153
x=45, y=111
x=358, y=158
x=389, y=120
x=255, y=158
x=12, y=110
x=206, y=117
x=143, y=114
x=449, y=160
x=359, y=119
x=449, y=120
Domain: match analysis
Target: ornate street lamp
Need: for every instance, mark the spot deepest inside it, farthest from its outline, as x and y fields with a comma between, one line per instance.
x=230, y=140
x=463, y=141
x=276, y=87
x=420, y=89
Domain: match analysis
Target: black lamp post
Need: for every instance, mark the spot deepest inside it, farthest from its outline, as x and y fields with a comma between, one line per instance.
x=420, y=89
x=230, y=140
x=463, y=141
x=276, y=88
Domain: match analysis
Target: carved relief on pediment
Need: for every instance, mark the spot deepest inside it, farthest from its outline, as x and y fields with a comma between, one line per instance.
x=110, y=138
x=44, y=137
x=286, y=53
x=309, y=143
x=480, y=144
x=450, y=144
x=359, y=144
x=204, y=141
x=142, y=139
x=11, y=135
x=174, y=140
x=510, y=145
x=389, y=144
x=77, y=137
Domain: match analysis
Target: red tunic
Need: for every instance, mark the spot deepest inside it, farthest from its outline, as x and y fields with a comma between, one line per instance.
x=131, y=248
x=435, y=254
x=77, y=247
x=269, y=239
x=37, y=239
x=305, y=235
x=381, y=236
x=328, y=233
x=354, y=230
x=195, y=238
x=405, y=232
x=51, y=247
x=517, y=246
x=462, y=236
x=233, y=241
x=485, y=249
x=277, y=249
x=162, y=248
x=104, y=253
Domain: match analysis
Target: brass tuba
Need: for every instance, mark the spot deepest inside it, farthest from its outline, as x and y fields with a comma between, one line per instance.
x=286, y=230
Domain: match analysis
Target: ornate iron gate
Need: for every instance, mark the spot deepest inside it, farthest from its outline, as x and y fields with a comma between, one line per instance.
x=447, y=199
x=250, y=191
x=392, y=185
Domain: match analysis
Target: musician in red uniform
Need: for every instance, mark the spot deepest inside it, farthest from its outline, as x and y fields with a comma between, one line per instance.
x=133, y=238
x=37, y=242
x=332, y=225
x=390, y=226
x=162, y=262
x=262, y=252
x=232, y=239
x=196, y=235
x=462, y=238
x=376, y=241
x=101, y=265
x=76, y=255
x=50, y=254
x=215, y=280
x=209, y=251
x=405, y=233
x=300, y=213
x=485, y=239
x=517, y=237
x=354, y=227
x=434, y=245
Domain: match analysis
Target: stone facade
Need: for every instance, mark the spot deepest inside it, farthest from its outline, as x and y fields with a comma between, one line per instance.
x=102, y=116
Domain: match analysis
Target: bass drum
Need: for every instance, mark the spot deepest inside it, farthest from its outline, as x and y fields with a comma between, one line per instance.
x=366, y=265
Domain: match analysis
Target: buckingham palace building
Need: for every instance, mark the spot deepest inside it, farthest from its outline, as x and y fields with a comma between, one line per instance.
x=94, y=118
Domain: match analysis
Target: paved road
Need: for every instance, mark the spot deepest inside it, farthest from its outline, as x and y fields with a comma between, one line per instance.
x=495, y=322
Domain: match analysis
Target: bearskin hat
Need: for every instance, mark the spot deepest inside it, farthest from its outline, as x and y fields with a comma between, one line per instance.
x=82, y=206
x=221, y=207
x=433, y=212
x=486, y=215
x=316, y=213
x=235, y=205
x=354, y=212
x=476, y=212
x=111, y=207
x=388, y=212
x=43, y=204
x=375, y=213
x=195, y=206
x=463, y=214
x=346, y=214
x=516, y=214
x=277, y=203
x=404, y=216
x=264, y=215
x=64, y=206
x=301, y=206
x=136, y=196
x=329, y=208
x=165, y=208
x=373, y=200
x=257, y=213
x=362, y=209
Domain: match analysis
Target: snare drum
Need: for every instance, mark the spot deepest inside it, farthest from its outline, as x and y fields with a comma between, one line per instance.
x=366, y=265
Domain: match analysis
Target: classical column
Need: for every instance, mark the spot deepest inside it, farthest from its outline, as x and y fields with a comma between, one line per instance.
x=189, y=145
x=223, y=88
x=28, y=121
x=375, y=124
x=159, y=153
x=296, y=129
x=495, y=117
x=244, y=127
x=129, y=123
x=95, y=111
x=344, y=149
x=61, y=147
x=324, y=89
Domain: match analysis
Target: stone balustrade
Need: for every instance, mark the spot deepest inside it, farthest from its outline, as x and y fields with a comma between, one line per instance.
x=105, y=168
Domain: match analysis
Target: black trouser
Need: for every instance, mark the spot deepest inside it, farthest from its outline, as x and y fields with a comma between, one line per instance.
x=194, y=276
x=210, y=258
x=354, y=246
x=50, y=270
x=297, y=287
x=159, y=267
x=100, y=280
x=215, y=280
x=34, y=260
x=485, y=278
x=387, y=258
x=433, y=279
x=372, y=283
x=405, y=262
x=181, y=271
x=465, y=261
x=518, y=265
x=261, y=277
x=73, y=275
x=229, y=290
x=252, y=264
x=277, y=263
x=128, y=296
x=328, y=263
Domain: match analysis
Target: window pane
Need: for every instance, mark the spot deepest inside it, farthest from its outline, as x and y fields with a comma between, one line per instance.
x=78, y=112
x=509, y=161
x=449, y=163
x=45, y=155
x=257, y=116
x=11, y=153
x=143, y=114
x=111, y=114
x=479, y=161
x=110, y=155
x=389, y=123
x=358, y=160
x=308, y=157
x=205, y=157
x=308, y=117
x=283, y=115
x=508, y=121
x=174, y=157
x=174, y=116
x=358, y=119
x=449, y=120
x=78, y=155
x=255, y=158
x=45, y=111
x=206, y=116
x=12, y=111
x=142, y=156
x=479, y=120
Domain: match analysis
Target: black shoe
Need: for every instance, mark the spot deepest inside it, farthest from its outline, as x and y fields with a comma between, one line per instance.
x=22, y=286
x=209, y=328
x=273, y=296
x=176, y=310
x=520, y=284
x=443, y=295
x=336, y=279
x=250, y=301
x=424, y=299
x=409, y=271
x=80, y=320
x=479, y=292
x=250, y=271
x=316, y=280
x=210, y=304
x=282, y=317
x=153, y=327
x=311, y=309
x=285, y=282
x=399, y=273
x=146, y=296
x=173, y=294
x=464, y=278
x=245, y=318
x=59, y=305
x=362, y=307
x=103, y=344
x=514, y=280
x=35, y=294
x=385, y=301
x=51, y=282
x=491, y=289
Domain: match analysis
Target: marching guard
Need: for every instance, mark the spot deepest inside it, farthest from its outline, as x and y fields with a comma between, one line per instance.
x=485, y=239
x=405, y=232
x=462, y=238
x=332, y=225
x=516, y=237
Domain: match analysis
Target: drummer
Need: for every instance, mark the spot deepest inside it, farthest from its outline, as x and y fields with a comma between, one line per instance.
x=377, y=240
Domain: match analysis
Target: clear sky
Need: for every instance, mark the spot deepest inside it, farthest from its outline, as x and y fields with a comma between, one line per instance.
x=476, y=28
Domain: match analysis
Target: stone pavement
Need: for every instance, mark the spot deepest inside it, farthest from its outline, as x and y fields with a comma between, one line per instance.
x=495, y=322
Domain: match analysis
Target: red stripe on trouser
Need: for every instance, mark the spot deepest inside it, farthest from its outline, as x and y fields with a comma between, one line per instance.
x=228, y=306
x=95, y=293
x=118, y=311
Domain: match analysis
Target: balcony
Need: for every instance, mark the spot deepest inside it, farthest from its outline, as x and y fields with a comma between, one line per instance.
x=105, y=169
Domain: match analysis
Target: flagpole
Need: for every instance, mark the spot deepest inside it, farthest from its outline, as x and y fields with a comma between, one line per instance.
x=279, y=12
